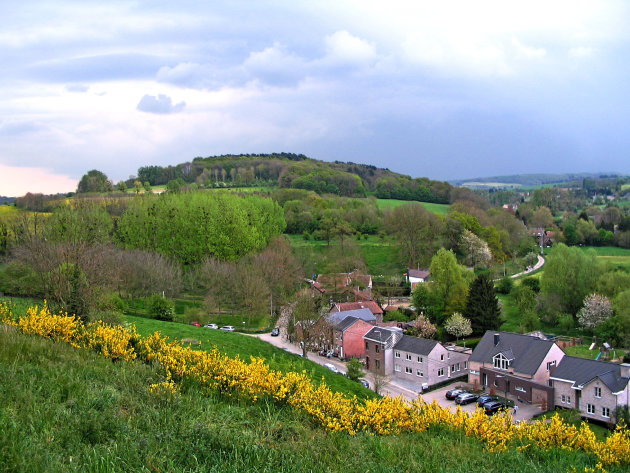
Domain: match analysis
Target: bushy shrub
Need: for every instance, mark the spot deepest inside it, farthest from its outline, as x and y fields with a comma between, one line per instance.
x=160, y=308
x=505, y=285
x=532, y=283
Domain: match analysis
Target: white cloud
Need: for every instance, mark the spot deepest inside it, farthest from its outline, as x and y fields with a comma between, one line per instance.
x=344, y=48
x=161, y=104
x=528, y=51
x=275, y=65
x=581, y=52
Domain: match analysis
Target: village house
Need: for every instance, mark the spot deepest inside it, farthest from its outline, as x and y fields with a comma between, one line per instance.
x=348, y=337
x=379, y=356
x=371, y=305
x=422, y=363
x=515, y=364
x=417, y=276
x=595, y=388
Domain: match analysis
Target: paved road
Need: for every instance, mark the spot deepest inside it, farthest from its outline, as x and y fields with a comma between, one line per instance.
x=538, y=265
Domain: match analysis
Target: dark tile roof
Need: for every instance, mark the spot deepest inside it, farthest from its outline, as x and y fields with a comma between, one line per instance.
x=380, y=334
x=527, y=352
x=418, y=273
x=582, y=371
x=345, y=323
x=364, y=314
x=419, y=346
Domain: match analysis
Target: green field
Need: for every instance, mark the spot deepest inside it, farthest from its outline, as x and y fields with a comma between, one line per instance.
x=438, y=209
x=379, y=255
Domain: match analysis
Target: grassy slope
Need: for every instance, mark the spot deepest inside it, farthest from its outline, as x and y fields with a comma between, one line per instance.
x=380, y=256
x=67, y=410
x=439, y=209
x=233, y=344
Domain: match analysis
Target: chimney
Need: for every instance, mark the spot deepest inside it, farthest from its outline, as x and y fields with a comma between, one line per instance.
x=625, y=370
x=497, y=338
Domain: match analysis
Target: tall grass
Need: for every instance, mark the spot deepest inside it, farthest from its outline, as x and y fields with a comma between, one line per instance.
x=67, y=410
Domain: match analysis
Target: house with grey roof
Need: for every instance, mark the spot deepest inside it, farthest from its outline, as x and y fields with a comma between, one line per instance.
x=595, y=388
x=364, y=314
x=348, y=337
x=515, y=364
x=379, y=342
x=420, y=363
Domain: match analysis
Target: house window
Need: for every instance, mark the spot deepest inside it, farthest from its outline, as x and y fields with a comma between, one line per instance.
x=550, y=365
x=605, y=412
x=520, y=388
x=441, y=372
x=568, y=399
x=500, y=362
x=396, y=367
x=590, y=408
x=598, y=392
x=397, y=354
x=367, y=346
x=419, y=359
x=408, y=357
x=448, y=355
x=465, y=365
x=474, y=372
x=377, y=348
x=550, y=383
x=377, y=363
x=458, y=367
x=563, y=399
x=408, y=370
x=442, y=357
x=419, y=373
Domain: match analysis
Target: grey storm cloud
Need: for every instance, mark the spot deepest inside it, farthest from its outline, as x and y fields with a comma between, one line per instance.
x=162, y=104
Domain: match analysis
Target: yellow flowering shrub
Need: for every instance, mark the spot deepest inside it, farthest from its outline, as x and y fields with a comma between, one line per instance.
x=254, y=380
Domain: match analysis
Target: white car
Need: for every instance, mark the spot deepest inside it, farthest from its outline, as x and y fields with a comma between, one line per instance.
x=212, y=326
x=331, y=367
x=228, y=328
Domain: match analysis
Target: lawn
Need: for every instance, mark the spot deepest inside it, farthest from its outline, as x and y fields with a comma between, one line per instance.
x=379, y=255
x=439, y=209
x=245, y=346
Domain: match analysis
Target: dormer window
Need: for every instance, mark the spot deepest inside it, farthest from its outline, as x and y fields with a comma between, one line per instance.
x=500, y=362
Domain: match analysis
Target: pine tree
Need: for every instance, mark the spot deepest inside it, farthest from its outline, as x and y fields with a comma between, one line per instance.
x=482, y=306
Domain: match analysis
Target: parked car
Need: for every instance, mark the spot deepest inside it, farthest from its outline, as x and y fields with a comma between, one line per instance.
x=483, y=400
x=364, y=383
x=228, y=328
x=493, y=407
x=331, y=367
x=212, y=326
x=453, y=393
x=465, y=398
x=196, y=324
x=275, y=332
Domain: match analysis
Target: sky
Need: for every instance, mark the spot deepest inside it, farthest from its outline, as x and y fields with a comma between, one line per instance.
x=446, y=90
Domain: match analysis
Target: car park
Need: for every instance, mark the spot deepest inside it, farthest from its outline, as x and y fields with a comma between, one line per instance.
x=483, y=400
x=453, y=393
x=465, y=398
x=494, y=407
x=228, y=328
x=212, y=326
x=275, y=332
x=331, y=367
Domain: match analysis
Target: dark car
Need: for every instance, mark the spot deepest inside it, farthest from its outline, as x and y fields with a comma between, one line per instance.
x=494, y=407
x=465, y=398
x=275, y=332
x=482, y=400
x=453, y=393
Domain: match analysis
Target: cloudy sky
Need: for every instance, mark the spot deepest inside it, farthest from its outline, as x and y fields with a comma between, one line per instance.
x=446, y=89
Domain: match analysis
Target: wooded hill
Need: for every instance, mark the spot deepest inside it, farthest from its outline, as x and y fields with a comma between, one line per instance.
x=297, y=171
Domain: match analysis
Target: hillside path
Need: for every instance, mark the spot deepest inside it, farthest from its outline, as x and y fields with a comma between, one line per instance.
x=538, y=265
